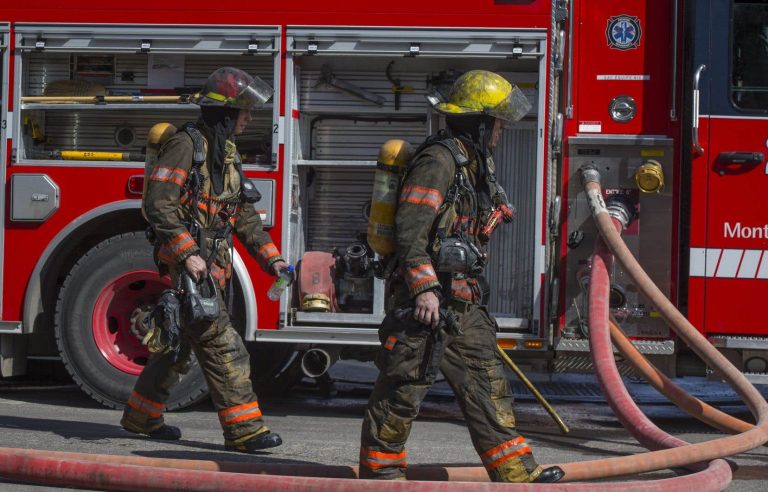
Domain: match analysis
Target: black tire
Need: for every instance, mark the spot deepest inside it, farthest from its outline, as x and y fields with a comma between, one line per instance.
x=76, y=329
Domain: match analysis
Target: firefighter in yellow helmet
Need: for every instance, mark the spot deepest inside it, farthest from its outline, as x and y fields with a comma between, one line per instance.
x=195, y=198
x=438, y=320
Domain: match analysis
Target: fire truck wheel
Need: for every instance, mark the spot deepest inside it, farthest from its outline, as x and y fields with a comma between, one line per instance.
x=101, y=350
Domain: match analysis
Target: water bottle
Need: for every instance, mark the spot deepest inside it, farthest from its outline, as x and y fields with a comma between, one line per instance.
x=283, y=280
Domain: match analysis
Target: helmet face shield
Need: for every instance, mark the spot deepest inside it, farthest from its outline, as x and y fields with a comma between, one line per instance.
x=253, y=96
x=512, y=108
x=231, y=87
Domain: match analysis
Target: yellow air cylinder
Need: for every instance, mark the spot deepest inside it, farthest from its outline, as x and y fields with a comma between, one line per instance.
x=394, y=156
x=157, y=136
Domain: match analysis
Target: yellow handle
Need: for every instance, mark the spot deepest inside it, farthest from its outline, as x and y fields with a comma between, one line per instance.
x=544, y=403
x=95, y=99
x=89, y=155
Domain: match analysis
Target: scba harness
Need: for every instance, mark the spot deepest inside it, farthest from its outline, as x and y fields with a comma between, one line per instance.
x=453, y=251
x=192, y=301
x=193, y=186
x=456, y=246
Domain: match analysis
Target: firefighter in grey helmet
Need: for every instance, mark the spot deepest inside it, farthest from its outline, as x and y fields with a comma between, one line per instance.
x=438, y=320
x=195, y=200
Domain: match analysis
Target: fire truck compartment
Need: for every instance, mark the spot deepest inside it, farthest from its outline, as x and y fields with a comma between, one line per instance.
x=59, y=66
x=350, y=91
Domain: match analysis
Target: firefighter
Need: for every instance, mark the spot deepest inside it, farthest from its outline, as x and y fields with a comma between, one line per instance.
x=438, y=320
x=192, y=211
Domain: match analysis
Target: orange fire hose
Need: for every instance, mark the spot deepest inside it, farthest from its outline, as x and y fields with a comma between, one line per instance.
x=693, y=406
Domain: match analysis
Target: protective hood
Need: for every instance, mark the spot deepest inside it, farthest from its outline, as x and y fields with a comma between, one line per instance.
x=218, y=125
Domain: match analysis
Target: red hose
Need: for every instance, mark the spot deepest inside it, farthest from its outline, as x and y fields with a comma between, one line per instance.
x=107, y=476
x=679, y=456
x=611, y=383
x=601, y=350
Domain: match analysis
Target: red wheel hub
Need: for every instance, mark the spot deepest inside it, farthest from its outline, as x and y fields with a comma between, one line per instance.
x=112, y=317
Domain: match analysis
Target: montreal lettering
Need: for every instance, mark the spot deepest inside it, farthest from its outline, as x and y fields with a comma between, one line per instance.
x=745, y=232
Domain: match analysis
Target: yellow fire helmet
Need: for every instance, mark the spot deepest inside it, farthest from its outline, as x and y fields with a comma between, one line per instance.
x=482, y=92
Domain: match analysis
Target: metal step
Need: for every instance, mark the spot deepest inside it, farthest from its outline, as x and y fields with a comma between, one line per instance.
x=734, y=342
x=654, y=347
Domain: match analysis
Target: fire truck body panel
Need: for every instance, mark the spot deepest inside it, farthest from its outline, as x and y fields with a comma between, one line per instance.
x=622, y=118
x=623, y=51
x=611, y=86
x=728, y=263
x=398, y=13
x=5, y=29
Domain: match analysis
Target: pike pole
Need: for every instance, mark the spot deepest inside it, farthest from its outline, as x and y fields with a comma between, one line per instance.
x=536, y=394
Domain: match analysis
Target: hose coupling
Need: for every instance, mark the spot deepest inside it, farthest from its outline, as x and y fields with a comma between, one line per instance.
x=650, y=177
x=621, y=208
x=589, y=174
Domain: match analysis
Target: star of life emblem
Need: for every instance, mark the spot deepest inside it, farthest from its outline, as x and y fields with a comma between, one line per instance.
x=623, y=32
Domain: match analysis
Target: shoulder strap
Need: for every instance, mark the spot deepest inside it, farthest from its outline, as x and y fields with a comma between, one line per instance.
x=248, y=191
x=447, y=213
x=442, y=138
x=195, y=181
x=198, y=155
x=458, y=156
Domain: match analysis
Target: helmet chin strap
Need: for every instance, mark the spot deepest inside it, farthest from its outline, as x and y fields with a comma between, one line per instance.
x=484, y=176
x=482, y=134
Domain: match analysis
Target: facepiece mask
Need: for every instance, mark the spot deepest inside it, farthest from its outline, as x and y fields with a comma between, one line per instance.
x=199, y=301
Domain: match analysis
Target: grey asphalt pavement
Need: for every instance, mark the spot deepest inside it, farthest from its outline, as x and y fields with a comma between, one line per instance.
x=321, y=430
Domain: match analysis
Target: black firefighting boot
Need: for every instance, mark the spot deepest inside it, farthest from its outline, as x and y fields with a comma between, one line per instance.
x=550, y=475
x=254, y=443
x=162, y=433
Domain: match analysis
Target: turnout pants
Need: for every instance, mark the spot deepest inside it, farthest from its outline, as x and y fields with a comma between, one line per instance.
x=408, y=362
x=225, y=362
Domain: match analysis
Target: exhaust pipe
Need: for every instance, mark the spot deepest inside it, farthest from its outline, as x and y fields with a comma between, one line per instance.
x=316, y=361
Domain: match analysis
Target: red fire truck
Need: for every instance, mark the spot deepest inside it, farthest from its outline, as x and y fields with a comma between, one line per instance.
x=667, y=99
